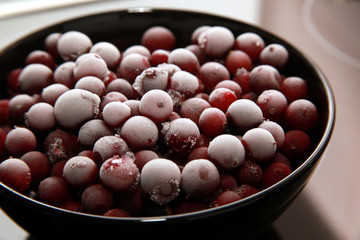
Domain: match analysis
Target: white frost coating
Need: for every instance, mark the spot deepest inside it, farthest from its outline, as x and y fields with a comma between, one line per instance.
x=69, y=49
x=161, y=178
x=108, y=146
x=227, y=151
x=212, y=44
x=76, y=170
x=184, y=130
x=75, y=107
x=199, y=177
x=260, y=143
x=245, y=114
x=276, y=130
x=184, y=82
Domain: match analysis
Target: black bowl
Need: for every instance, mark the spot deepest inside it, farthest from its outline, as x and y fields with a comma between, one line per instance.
x=245, y=218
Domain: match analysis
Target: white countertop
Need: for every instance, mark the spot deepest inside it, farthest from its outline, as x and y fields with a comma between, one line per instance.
x=325, y=30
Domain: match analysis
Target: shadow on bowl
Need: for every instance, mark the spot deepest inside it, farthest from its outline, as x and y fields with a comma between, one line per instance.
x=241, y=219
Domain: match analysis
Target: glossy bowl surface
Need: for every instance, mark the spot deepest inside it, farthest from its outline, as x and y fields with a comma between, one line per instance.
x=244, y=218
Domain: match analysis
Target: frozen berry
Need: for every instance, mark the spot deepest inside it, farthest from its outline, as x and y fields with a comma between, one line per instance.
x=294, y=88
x=244, y=114
x=225, y=198
x=72, y=44
x=16, y=174
x=157, y=105
x=275, y=55
x=181, y=135
x=260, y=145
x=53, y=190
x=185, y=83
x=39, y=165
x=109, y=146
x=222, y=98
x=301, y=115
x=251, y=43
x=80, y=172
x=211, y=73
x=273, y=104
x=75, y=107
x=212, y=122
x=63, y=74
x=119, y=173
x=116, y=212
x=59, y=145
x=108, y=52
x=52, y=92
x=226, y=151
x=20, y=140
x=116, y=113
x=237, y=59
x=193, y=107
x=96, y=199
x=90, y=64
x=216, y=41
x=40, y=117
x=91, y=131
x=91, y=84
x=132, y=65
x=185, y=59
x=276, y=130
x=40, y=56
x=144, y=156
x=34, y=77
x=151, y=78
x=200, y=178
x=121, y=85
x=139, y=132
x=264, y=77
x=274, y=173
x=158, y=37
x=250, y=173
x=160, y=179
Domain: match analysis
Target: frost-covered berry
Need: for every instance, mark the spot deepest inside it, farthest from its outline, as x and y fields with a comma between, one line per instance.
x=16, y=174
x=80, y=172
x=108, y=146
x=119, y=173
x=244, y=114
x=139, y=132
x=199, y=178
x=75, y=107
x=181, y=135
x=160, y=179
x=20, y=140
x=259, y=144
x=226, y=151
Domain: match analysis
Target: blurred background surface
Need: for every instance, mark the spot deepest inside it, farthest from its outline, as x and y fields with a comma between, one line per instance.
x=326, y=31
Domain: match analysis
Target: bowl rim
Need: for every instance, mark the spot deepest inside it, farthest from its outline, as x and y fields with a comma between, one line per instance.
x=308, y=163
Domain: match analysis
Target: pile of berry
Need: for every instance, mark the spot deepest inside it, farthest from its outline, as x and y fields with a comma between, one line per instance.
x=96, y=129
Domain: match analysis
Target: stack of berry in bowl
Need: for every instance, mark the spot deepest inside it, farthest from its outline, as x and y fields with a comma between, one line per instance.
x=155, y=123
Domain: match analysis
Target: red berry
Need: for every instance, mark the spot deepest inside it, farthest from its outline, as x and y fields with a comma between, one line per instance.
x=274, y=173
x=80, y=172
x=301, y=115
x=212, y=122
x=158, y=37
x=20, y=140
x=119, y=173
x=53, y=190
x=225, y=198
x=222, y=98
x=16, y=174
